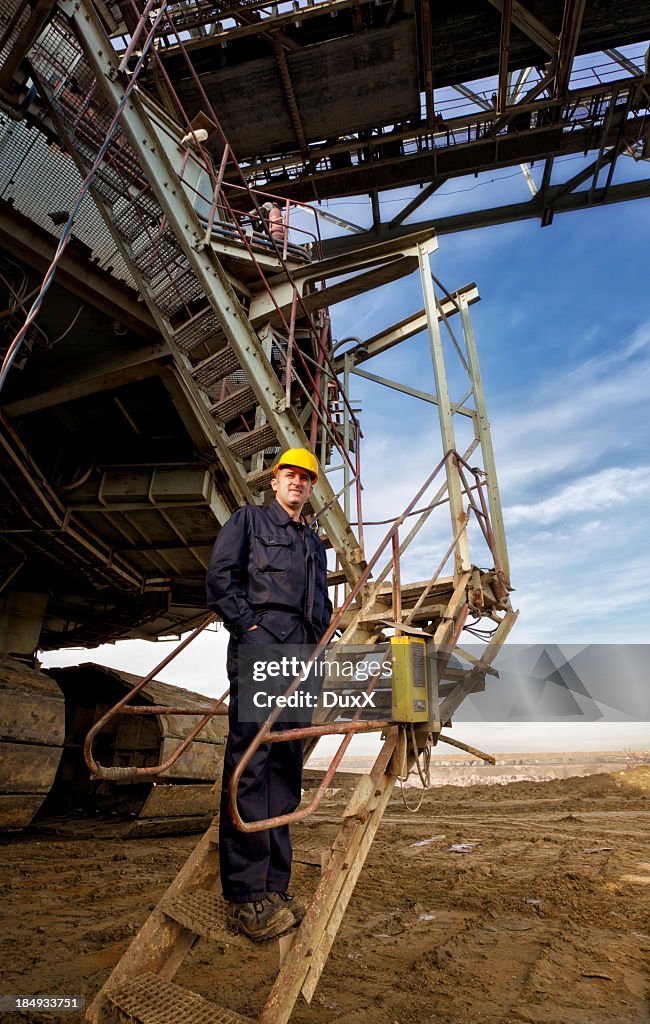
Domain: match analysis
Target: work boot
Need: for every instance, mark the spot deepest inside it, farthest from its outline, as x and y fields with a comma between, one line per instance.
x=259, y=920
x=284, y=899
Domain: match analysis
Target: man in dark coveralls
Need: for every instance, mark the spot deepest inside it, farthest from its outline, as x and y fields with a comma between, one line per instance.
x=268, y=582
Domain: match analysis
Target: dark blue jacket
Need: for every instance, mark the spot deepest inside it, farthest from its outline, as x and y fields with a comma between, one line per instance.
x=265, y=569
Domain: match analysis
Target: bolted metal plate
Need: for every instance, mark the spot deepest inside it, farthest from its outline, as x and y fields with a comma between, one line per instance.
x=204, y=913
x=151, y=1000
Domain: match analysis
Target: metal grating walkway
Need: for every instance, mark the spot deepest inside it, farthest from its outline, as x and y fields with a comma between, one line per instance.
x=151, y=1000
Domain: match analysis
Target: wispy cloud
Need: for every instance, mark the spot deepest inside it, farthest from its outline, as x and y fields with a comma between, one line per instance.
x=573, y=422
x=615, y=486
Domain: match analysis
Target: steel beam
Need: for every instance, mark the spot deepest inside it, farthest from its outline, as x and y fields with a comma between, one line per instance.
x=421, y=197
x=530, y=181
x=376, y=212
x=406, y=328
x=40, y=12
x=571, y=23
x=470, y=94
x=482, y=424
x=511, y=213
x=504, y=56
x=450, y=704
x=624, y=62
x=274, y=20
x=584, y=175
x=487, y=148
x=80, y=381
x=461, y=547
x=424, y=396
x=518, y=88
x=427, y=58
x=290, y=95
x=531, y=26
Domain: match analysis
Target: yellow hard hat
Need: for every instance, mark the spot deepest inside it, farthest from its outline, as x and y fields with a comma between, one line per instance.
x=298, y=457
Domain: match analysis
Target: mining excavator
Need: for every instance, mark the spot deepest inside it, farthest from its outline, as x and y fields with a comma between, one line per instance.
x=235, y=361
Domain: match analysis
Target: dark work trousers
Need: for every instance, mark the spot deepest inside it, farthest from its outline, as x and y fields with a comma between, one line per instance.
x=255, y=863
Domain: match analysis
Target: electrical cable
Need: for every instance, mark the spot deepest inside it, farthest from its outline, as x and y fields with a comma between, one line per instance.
x=70, y=326
x=425, y=776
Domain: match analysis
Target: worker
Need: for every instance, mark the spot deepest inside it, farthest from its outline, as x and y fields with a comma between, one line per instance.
x=267, y=580
x=277, y=227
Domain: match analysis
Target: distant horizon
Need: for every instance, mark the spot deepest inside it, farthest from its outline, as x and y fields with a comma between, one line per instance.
x=529, y=738
x=460, y=755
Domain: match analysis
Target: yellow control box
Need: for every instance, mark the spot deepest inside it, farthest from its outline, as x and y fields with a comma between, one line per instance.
x=410, y=691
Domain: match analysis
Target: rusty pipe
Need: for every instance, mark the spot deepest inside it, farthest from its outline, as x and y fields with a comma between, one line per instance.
x=93, y=766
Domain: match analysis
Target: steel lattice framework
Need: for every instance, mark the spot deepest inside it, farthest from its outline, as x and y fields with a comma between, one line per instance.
x=141, y=145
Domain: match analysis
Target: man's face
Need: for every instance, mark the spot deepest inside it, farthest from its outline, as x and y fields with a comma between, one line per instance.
x=292, y=487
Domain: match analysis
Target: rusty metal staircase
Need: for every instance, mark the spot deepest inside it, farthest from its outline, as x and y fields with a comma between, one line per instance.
x=247, y=350
x=141, y=987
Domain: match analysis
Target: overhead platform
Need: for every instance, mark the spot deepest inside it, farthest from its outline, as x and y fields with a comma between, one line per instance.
x=353, y=67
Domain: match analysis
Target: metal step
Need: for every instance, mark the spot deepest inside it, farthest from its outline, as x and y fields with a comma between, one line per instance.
x=427, y=612
x=203, y=913
x=315, y=856
x=259, y=481
x=255, y=441
x=336, y=578
x=239, y=402
x=201, y=330
x=215, y=368
x=151, y=1000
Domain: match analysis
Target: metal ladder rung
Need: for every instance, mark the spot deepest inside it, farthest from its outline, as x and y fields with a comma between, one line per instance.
x=259, y=481
x=316, y=856
x=234, y=405
x=151, y=1000
x=335, y=578
x=204, y=328
x=215, y=368
x=203, y=913
x=253, y=442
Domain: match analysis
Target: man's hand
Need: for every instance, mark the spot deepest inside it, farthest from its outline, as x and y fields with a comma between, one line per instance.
x=251, y=628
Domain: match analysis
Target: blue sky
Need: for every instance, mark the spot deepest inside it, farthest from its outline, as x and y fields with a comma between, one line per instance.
x=563, y=333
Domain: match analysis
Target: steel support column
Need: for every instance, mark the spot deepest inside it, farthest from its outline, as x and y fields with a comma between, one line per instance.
x=454, y=485
x=568, y=43
x=482, y=427
x=504, y=56
x=530, y=26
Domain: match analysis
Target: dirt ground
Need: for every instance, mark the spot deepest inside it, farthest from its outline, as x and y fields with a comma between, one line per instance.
x=545, y=919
